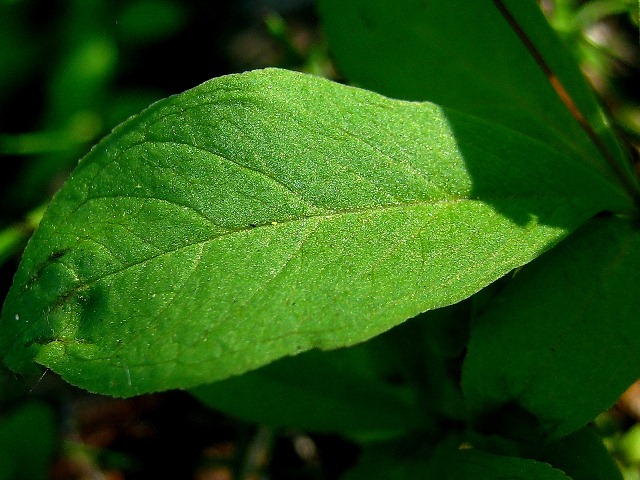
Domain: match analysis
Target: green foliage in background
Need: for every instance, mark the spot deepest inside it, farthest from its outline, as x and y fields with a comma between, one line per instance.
x=27, y=442
x=235, y=239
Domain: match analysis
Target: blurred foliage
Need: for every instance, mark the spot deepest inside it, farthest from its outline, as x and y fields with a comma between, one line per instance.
x=27, y=439
x=604, y=36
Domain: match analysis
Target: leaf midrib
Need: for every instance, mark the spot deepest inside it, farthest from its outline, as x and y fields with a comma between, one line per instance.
x=273, y=224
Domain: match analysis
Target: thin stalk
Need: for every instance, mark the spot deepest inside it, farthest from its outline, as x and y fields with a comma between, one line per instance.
x=567, y=100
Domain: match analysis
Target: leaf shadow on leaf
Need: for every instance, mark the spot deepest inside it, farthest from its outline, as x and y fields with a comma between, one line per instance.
x=527, y=181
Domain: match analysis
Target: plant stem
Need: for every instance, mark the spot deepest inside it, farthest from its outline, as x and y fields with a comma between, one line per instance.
x=567, y=100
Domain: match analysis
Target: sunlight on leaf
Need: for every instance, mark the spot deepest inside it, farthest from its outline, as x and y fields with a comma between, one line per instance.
x=264, y=214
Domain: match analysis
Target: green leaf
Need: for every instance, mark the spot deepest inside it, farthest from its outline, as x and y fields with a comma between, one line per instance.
x=565, y=323
x=450, y=464
x=581, y=455
x=27, y=438
x=319, y=391
x=469, y=59
x=485, y=466
x=264, y=214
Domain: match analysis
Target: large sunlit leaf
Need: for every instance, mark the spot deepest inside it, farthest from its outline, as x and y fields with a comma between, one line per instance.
x=566, y=323
x=264, y=214
x=467, y=57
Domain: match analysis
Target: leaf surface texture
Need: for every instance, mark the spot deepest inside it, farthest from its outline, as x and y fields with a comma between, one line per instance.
x=264, y=214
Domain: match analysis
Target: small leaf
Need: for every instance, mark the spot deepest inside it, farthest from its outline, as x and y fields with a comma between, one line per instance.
x=485, y=466
x=581, y=455
x=471, y=61
x=264, y=214
x=565, y=323
x=451, y=464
